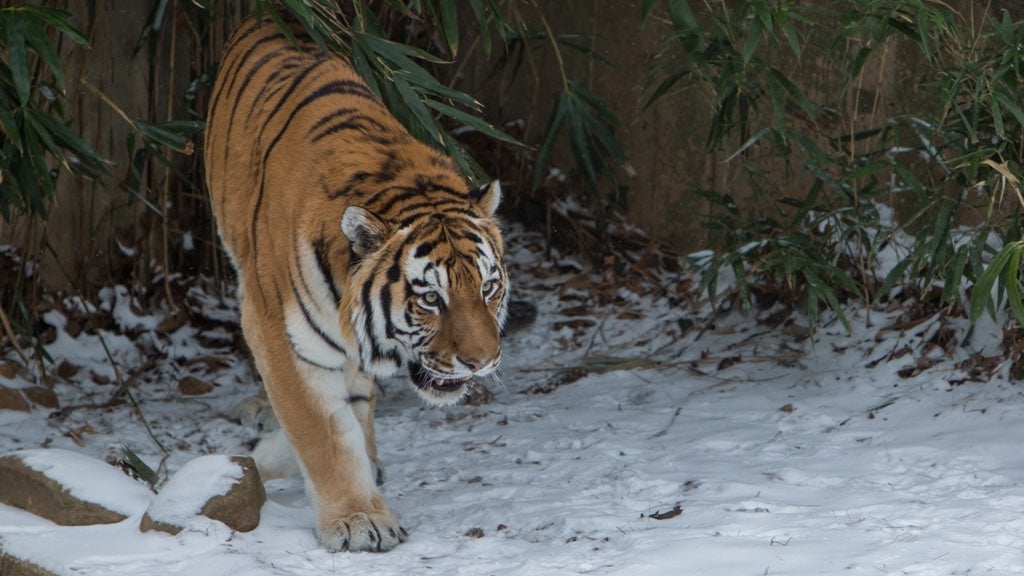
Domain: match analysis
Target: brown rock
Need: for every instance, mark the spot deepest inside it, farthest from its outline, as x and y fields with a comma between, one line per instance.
x=11, y=399
x=192, y=386
x=238, y=507
x=35, y=492
x=66, y=369
x=13, y=566
x=41, y=396
x=8, y=370
x=148, y=524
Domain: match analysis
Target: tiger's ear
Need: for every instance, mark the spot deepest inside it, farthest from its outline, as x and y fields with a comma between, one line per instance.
x=487, y=197
x=364, y=230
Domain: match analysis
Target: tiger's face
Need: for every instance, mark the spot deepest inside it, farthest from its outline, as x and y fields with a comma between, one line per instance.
x=433, y=299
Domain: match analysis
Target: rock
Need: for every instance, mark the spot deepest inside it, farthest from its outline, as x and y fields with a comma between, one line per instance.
x=42, y=396
x=66, y=369
x=11, y=399
x=13, y=566
x=521, y=315
x=8, y=370
x=223, y=488
x=68, y=488
x=192, y=386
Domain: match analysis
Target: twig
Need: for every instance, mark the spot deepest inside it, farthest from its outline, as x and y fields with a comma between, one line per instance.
x=664, y=430
x=123, y=389
x=11, y=336
x=165, y=190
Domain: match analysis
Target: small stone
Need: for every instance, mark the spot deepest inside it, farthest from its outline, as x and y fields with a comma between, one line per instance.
x=11, y=399
x=475, y=533
x=192, y=386
x=223, y=488
x=8, y=370
x=66, y=369
x=42, y=482
x=99, y=378
x=42, y=396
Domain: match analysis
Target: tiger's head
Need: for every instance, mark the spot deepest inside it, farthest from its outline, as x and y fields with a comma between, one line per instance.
x=429, y=292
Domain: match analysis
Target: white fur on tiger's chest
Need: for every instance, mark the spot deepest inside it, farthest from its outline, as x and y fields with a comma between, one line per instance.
x=312, y=323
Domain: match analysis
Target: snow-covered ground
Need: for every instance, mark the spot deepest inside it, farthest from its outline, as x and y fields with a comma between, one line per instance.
x=631, y=435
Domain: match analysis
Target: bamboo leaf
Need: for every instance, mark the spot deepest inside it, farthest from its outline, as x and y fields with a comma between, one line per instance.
x=791, y=35
x=954, y=278
x=646, y=7
x=997, y=116
x=49, y=16
x=17, y=56
x=1012, y=106
x=981, y=293
x=41, y=44
x=1011, y=280
x=8, y=124
x=161, y=135
x=472, y=121
x=485, y=29
x=418, y=109
x=580, y=144
x=751, y=41
x=555, y=121
x=665, y=86
x=450, y=25
x=682, y=17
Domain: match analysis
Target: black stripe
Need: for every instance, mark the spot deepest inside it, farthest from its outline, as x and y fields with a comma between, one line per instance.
x=353, y=398
x=320, y=252
x=338, y=87
x=410, y=219
x=274, y=83
x=333, y=115
x=357, y=178
x=237, y=37
x=312, y=362
x=410, y=192
x=385, y=303
x=298, y=266
x=309, y=317
x=359, y=123
x=243, y=61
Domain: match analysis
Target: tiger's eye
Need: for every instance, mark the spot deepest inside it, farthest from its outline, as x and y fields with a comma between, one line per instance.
x=487, y=287
x=431, y=297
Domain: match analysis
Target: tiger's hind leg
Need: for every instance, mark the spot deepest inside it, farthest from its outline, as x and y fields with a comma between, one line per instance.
x=319, y=420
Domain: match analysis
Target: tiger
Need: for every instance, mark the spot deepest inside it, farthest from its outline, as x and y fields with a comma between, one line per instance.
x=359, y=250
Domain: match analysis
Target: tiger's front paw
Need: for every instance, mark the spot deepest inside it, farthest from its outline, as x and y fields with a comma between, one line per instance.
x=362, y=532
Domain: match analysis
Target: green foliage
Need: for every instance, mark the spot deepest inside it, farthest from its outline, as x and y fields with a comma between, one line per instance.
x=967, y=139
x=400, y=73
x=394, y=70
x=35, y=138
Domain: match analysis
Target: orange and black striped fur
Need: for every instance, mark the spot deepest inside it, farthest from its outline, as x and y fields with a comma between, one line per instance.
x=359, y=251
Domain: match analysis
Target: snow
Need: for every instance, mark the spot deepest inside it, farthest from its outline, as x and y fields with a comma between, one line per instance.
x=883, y=450
x=88, y=479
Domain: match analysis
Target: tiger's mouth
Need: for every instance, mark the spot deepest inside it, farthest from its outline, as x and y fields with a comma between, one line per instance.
x=445, y=390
